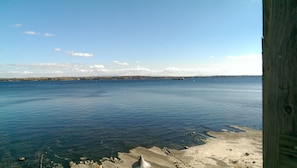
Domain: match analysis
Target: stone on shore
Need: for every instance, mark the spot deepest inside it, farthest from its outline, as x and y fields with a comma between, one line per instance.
x=21, y=159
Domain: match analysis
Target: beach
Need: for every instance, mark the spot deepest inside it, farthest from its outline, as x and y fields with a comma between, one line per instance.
x=223, y=149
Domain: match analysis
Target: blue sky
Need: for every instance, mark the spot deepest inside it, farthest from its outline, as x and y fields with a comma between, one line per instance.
x=130, y=37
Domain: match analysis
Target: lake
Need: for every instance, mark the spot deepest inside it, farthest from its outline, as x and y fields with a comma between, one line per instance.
x=66, y=120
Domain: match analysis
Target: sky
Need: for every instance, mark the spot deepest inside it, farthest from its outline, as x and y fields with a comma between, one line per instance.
x=130, y=37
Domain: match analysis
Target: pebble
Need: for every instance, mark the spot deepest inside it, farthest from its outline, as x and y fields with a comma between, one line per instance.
x=233, y=161
x=71, y=163
x=115, y=160
x=186, y=147
x=21, y=159
x=83, y=158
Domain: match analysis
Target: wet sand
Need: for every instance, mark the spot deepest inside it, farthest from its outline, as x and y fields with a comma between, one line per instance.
x=223, y=149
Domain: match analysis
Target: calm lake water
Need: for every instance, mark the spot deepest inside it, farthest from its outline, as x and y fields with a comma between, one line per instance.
x=65, y=120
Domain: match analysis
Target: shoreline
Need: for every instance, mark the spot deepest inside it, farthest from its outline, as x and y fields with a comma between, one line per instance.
x=222, y=149
x=73, y=78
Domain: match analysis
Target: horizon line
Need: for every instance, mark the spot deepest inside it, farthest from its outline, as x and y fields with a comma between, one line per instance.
x=135, y=77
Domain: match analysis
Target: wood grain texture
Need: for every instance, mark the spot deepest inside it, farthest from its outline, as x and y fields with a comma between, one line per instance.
x=279, y=46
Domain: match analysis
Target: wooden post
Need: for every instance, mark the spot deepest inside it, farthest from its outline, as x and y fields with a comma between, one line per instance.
x=279, y=83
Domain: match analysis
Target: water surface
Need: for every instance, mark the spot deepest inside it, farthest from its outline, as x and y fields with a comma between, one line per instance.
x=65, y=120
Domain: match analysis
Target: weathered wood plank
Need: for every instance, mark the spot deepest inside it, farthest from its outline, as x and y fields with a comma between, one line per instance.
x=279, y=80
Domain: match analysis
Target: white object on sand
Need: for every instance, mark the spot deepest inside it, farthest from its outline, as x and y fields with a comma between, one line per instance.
x=143, y=163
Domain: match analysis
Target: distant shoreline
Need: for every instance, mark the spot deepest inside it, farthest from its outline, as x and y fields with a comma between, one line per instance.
x=117, y=78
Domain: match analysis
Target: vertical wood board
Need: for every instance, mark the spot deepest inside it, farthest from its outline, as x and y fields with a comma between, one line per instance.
x=279, y=46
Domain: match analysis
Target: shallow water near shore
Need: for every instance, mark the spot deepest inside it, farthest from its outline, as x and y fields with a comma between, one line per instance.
x=66, y=120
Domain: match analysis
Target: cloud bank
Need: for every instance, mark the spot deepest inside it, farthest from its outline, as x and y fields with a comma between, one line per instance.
x=232, y=65
x=97, y=67
x=245, y=64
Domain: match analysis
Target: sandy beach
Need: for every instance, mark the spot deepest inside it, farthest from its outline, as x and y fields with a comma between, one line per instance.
x=222, y=149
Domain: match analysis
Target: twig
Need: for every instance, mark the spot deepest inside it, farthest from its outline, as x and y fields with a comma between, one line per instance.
x=41, y=159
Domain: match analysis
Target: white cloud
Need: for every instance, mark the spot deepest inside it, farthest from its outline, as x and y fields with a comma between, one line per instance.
x=37, y=33
x=243, y=65
x=49, y=35
x=98, y=67
x=32, y=33
x=27, y=72
x=57, y=49
x=51, y=70
x=83, y=70
x=79, y=54
x=17, y=25
x=47, y=65
x=121, y=63
x=132, y=71
x=173, y=69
